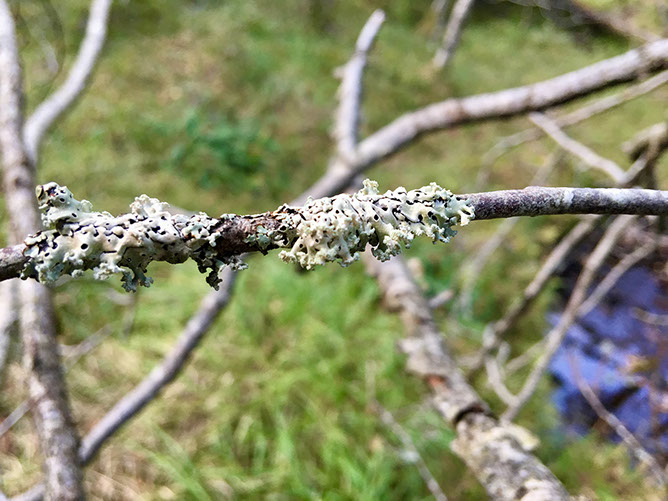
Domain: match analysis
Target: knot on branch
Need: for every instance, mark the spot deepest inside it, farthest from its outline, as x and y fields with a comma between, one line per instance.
x=77, y=238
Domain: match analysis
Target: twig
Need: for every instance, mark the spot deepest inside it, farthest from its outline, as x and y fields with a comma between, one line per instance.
x=57, y=434
x=460, y=12
x=406, y=441
x=656, y=134
x=569, y=315
x=347, y=117
x=613, y=421
x=59, y=101
x=576, y=148
x=579, y=115
x=614, y=275
x=509, y=102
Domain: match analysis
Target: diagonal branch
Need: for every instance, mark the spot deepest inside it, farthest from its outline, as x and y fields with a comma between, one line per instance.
x=347, y=118
x=453, y=31
x=57, y=103
x=570, y=313
x=55, y=427
x=456, y=111
x=494, y=451
x=584, y=153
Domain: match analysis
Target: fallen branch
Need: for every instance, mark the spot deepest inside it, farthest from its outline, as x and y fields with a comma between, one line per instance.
x=496, y=452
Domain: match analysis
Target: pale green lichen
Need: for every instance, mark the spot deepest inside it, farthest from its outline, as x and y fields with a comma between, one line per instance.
x=324, y=230
x=78, y=238
x=338, y=228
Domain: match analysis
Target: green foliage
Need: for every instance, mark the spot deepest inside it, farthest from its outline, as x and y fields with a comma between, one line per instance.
x=219, y=152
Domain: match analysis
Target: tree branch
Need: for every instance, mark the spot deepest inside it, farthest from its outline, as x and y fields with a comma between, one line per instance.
x=59, y=101
x=453, y=31
x=347, y=118
x=55, y=428
x=128, y=243
x=494, y=451
x=456, y=111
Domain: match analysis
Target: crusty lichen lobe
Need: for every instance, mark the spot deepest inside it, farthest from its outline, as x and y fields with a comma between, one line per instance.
x=328, y=229
x=77, y=238
x=339, y=228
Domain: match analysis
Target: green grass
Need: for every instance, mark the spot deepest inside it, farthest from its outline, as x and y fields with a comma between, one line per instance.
x=274, y=404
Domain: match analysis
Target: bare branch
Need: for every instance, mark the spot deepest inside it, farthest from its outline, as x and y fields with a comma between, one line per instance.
x=494, y=451
x=347, y=119
x=570, y=313
x=57, y=103
x=657, y=134
x=613, y=421
x=576, y=148
x=55, y=428
x=456, y=111
x=453, y=31
x=579, y=115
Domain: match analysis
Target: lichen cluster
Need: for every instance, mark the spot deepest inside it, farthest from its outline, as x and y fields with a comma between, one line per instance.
x=77, y=238
x=339, y=228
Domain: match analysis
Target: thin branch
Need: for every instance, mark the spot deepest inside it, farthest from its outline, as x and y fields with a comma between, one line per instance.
x=164, y=237
x=347, y=117
x=579, y=115
x=456, y=111
x=570, y=313
x=576, y=148
x=60, y=101
x=613, y=421
x=460, y=12
x=57, y=434
x=656, y=135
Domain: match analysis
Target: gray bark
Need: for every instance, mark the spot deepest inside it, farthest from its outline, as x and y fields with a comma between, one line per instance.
x=55, y=428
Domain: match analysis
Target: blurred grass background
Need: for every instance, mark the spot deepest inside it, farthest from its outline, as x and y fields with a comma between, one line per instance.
x=225, y=106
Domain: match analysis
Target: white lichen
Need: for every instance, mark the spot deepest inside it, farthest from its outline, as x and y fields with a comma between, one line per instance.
x=324, y=230
x=78, y=238
x=339, y=228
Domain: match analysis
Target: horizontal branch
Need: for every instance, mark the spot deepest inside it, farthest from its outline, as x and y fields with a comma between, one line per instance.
x=324, y=230
x=538, y=201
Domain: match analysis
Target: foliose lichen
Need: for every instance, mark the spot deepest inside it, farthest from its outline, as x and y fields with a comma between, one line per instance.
x=340, y=227
x=77, y=238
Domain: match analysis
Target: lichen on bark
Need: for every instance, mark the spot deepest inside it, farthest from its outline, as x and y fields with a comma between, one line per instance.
x=77, y=238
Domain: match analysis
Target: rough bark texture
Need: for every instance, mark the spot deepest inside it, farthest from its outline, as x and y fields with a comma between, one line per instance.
x=495, y=452
x=53, y=421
